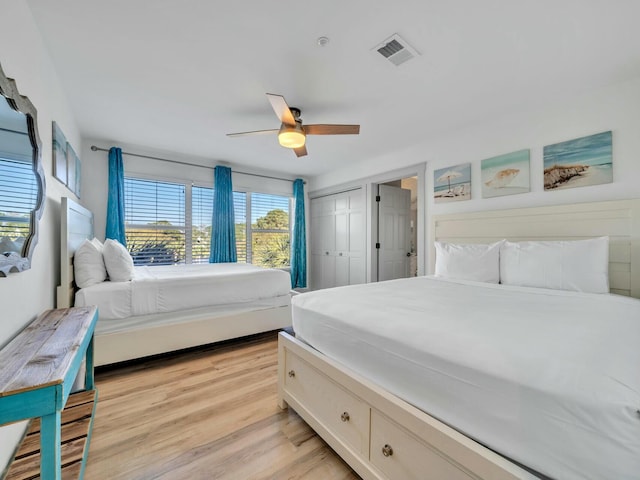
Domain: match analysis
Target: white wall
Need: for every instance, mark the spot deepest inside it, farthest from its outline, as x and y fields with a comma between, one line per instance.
x=23, y=296
x=95, y=175
x=616, y=108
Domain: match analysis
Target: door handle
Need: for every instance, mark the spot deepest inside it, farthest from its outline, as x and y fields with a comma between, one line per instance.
x=408, y=254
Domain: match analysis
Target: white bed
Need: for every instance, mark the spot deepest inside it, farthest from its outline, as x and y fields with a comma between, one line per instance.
x=167, y=308
x=505, y=365
x=487, y=377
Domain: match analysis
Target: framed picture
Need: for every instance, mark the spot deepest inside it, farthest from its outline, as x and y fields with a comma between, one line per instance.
x=452, y=183
x=66, y=164
x=59, y=154
x=73, y=170
x=578, y=163
x=505, y=174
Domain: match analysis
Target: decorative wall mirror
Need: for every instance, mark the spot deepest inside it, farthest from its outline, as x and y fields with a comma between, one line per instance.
x=22, y=183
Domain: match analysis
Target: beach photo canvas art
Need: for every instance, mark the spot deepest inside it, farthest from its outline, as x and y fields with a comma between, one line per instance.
x=59, y=154
x=505, y=174
x=452, y=183
x=578, y=163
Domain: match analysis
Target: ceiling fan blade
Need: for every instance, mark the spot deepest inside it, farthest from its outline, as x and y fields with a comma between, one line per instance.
x=301, y=151
x=255, y=132
x=328, y=129
x=279, y=105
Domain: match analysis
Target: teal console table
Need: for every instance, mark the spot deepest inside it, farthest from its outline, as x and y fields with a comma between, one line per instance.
x=37, y=370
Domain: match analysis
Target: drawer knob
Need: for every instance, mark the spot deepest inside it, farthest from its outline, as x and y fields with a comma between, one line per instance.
x=292, y=373
x=345, y=417
x=387, y=451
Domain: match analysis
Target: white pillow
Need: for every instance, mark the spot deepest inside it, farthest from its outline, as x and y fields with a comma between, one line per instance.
x=579, y=265
x=478, y=262
x=118, y=261
x=88, y=265
x=8, y=245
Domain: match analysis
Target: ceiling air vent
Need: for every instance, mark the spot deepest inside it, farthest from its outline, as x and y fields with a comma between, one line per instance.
x=396, y=50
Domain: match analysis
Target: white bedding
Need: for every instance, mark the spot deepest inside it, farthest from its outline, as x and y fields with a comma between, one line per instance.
x=548, y=378
x=174, y=288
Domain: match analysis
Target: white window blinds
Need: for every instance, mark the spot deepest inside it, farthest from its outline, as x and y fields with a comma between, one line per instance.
x=18, y=195
x=155, y=221
x=164, y=227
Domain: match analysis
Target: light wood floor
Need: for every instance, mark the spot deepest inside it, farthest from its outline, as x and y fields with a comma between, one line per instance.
x=205, y=414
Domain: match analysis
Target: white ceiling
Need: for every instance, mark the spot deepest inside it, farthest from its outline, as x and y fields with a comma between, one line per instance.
x=176, y=75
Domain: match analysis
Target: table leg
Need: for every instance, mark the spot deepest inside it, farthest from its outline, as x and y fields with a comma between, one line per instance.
x=50, y=461
x=88, y=374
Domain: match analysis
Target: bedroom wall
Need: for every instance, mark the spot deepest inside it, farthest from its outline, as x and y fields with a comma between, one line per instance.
x=23, y=296
x=615, y=107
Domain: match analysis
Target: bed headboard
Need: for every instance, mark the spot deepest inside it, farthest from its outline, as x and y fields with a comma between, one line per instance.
x=76, y=225
x=620, y=220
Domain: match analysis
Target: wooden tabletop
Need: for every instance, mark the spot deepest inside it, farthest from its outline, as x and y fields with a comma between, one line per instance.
x=42, y=353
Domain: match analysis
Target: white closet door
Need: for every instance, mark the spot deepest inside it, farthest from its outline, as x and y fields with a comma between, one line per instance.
x=357, y=238
x=338, y=248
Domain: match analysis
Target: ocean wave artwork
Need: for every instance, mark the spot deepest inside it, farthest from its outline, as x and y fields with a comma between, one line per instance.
x=580, y=162
x=506, y=174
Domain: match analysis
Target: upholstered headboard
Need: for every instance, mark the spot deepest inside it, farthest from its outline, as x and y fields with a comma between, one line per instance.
x=76, y=225
x=619, y=220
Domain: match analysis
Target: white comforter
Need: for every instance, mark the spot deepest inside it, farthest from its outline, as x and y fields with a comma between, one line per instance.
x=182, y=287
x=550, y=379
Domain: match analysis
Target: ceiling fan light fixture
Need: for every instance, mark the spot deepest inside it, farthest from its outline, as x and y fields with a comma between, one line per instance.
x=291, y=136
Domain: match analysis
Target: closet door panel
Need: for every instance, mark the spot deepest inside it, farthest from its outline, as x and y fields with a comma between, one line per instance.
x=356, y=233
x=327, y=234
x=342, y=270
x=357, y=270
x=341, y=232
x=316, y=271
x=328, y=271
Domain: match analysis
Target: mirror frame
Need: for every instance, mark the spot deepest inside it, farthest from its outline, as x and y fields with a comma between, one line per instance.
x=14, y=262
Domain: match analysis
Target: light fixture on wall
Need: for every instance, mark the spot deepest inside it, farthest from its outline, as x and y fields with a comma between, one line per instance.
x=291, y=136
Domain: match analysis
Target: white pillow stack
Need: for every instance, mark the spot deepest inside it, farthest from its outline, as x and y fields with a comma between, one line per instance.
x=118, y=261
x=478, y=262
x=88, y=265
x=578, y=265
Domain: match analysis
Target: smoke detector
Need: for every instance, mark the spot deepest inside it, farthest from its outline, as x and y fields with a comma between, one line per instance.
x=396, y=50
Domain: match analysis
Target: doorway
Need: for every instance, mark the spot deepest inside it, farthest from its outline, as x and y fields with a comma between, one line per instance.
x=397, y=238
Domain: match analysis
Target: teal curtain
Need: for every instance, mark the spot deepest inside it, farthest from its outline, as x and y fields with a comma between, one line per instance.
x=115, y=202
x=299, y=243
x=223, y=228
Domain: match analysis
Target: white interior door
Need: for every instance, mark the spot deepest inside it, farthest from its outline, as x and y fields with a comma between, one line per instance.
x=338, y=248
x=394, y=213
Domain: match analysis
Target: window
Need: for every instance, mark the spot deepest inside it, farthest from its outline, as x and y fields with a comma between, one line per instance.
x=270, y=233
x=202, y=213
x=157, y=213
x=18, y=195
x=155, y=221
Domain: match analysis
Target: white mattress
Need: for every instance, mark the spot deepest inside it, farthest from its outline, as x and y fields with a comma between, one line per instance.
x=173, y=288
x=116, y=325
x=547, y=378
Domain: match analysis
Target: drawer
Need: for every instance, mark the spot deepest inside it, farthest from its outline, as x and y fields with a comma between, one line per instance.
x=339, y=411
x=400, y=455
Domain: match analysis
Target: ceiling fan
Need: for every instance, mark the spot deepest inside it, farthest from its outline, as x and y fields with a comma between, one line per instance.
x=292, y=134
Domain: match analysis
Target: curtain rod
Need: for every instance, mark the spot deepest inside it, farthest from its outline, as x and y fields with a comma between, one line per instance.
x=95, y=149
